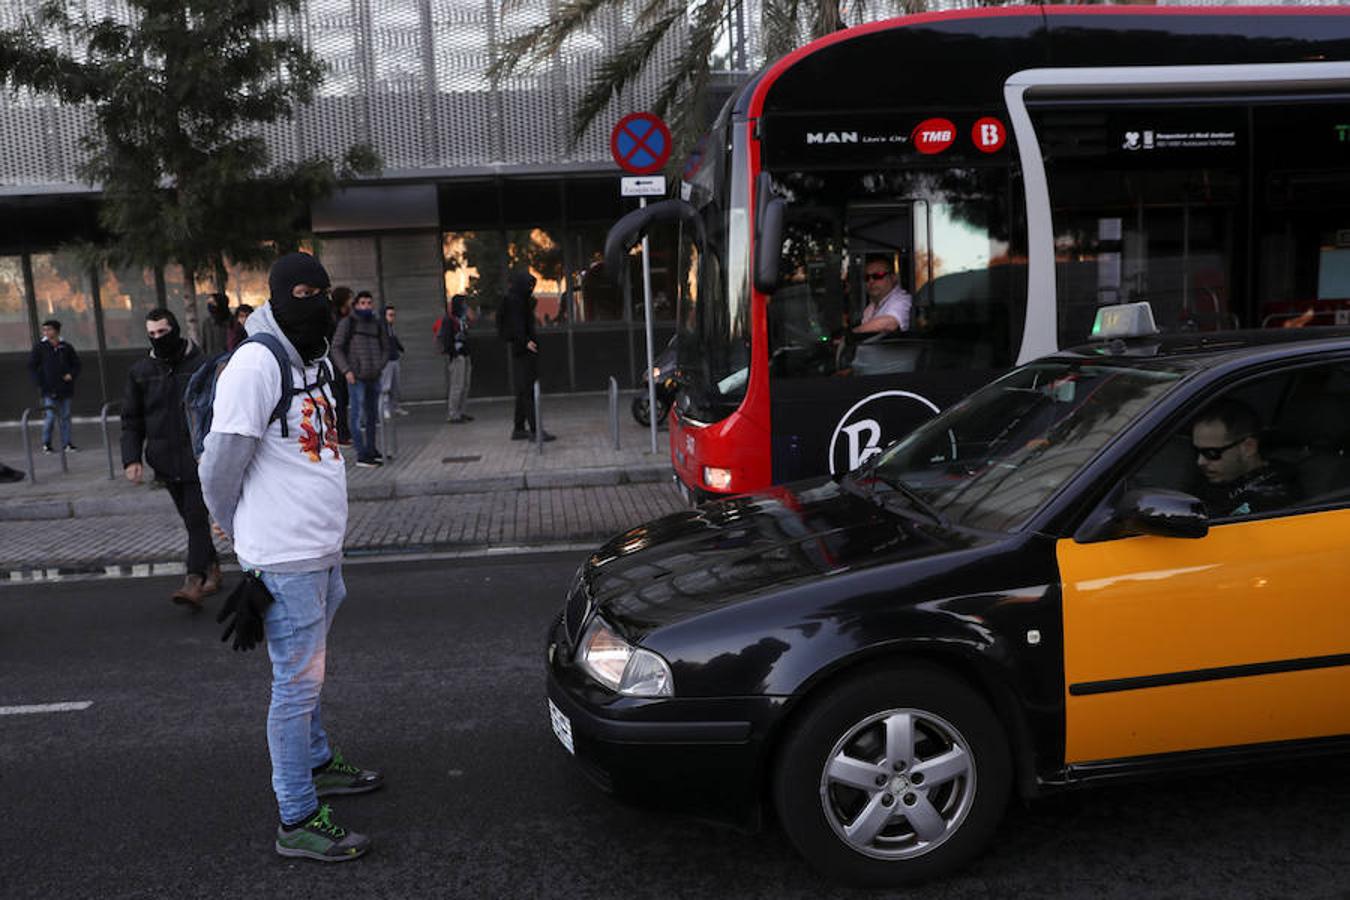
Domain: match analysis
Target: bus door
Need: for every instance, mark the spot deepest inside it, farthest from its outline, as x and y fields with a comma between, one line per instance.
x=839, y=396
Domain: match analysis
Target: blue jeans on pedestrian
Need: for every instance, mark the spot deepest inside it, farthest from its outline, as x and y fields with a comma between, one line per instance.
x=53, y=407
x=365, y=416
x=297, y=626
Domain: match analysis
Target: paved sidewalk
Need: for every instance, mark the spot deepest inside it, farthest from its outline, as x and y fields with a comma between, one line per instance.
x=447, y=487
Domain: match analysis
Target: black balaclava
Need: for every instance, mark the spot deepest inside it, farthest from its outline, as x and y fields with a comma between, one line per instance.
x=219, y=305
x=308, y=324
x=169, y=347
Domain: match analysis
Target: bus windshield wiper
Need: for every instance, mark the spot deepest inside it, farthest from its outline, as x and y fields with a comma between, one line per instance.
x=915, y=498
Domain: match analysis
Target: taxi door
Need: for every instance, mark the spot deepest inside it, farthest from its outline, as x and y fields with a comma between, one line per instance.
x=1240, y=637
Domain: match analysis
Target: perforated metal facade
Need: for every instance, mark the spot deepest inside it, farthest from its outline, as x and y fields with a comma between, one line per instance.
x=406, y=76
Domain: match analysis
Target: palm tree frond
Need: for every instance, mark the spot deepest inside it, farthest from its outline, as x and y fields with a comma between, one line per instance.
x=618, y=70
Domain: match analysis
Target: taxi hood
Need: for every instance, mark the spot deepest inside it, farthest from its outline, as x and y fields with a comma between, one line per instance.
x=730, y=551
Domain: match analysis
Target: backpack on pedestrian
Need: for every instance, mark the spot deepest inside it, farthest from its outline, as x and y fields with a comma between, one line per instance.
x=200, y=396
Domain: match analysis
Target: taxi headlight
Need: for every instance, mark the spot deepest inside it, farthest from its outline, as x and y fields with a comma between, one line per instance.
x=620, y=666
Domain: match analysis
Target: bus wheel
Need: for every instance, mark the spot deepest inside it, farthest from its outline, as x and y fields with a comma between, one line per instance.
x=894, y=777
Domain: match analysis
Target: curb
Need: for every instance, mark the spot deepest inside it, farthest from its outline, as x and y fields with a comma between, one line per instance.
x=600, y=476
x=145, y=567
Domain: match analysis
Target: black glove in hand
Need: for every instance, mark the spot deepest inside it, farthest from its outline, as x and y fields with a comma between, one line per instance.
x=248, y=604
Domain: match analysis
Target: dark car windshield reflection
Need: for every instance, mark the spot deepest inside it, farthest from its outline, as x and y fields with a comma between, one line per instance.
x=994, y=459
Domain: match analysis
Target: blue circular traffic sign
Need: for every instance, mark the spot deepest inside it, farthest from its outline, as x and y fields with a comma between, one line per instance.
x=640, y=143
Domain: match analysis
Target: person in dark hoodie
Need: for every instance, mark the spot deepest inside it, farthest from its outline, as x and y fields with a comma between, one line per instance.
x=283, y=500
x=516, y=327
x=216, y=327
x=360, y=350
x=154, y=427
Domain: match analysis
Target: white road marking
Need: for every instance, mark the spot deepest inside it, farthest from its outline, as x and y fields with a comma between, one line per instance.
x=75, y=706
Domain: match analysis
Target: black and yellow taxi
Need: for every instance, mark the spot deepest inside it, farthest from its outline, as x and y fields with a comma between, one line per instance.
x=1118, y=561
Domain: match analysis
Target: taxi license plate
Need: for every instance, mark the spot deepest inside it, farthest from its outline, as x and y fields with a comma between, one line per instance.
x=562, y=726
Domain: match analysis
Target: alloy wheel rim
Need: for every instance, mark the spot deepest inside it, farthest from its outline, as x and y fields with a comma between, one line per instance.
x=898, y=784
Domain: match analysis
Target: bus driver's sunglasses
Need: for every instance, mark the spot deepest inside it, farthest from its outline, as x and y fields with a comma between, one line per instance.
x=1214, y=454
x=876, y=276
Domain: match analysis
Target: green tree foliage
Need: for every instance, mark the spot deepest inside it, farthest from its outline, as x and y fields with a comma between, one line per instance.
x=178, y=91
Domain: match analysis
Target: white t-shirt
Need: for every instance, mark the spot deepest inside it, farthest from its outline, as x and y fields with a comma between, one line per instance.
x=293, y=505
x=896, y=304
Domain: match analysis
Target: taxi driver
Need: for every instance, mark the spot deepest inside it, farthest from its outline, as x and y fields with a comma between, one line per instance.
x=1238, y=479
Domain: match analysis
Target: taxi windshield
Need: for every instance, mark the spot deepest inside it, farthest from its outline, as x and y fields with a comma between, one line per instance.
x=991, y=461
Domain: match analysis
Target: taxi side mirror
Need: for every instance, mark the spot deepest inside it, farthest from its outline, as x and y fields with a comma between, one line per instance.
x=1162, y=513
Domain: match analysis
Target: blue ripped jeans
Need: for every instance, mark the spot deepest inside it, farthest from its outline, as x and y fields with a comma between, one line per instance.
x=297, y=626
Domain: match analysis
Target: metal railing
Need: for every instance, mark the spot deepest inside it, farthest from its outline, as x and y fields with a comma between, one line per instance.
x=28, y=444
x=107, y=441
x=538, y=418
x=614, y=410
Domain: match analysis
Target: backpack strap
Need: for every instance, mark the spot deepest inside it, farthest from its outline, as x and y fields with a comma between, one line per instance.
x=287, y=380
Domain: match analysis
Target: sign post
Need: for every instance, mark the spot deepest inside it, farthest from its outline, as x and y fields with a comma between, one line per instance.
x=640, y=143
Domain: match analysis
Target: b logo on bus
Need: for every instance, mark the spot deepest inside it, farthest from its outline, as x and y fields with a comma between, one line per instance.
x=872, y=423
x=989, y=135
x=933, y=136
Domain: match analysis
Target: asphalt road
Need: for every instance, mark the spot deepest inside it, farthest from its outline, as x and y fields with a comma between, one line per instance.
x=160, y=788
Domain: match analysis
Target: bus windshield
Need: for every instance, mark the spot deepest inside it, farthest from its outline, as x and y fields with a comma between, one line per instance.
x=713, y=324
x=994, y=459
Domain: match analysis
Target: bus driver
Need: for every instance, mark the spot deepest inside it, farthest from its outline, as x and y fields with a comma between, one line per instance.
x=888, y=305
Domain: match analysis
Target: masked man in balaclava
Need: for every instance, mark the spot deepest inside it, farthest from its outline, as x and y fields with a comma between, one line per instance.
x=283, y=500
x=155, y=429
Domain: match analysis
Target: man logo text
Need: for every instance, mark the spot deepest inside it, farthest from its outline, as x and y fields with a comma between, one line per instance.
x=832, y=137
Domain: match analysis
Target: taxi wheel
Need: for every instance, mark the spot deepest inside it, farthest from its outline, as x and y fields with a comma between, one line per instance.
x=896, y=776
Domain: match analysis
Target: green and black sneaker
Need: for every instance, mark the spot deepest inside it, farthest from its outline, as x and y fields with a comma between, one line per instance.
x=341, y=777
x=318, y=838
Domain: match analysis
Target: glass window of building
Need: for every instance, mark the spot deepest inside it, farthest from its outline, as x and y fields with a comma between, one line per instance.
x=595, y=296
x=61, y=285
x=474, y=267
x=125, y=296
x=539, y=251
x=16, y=334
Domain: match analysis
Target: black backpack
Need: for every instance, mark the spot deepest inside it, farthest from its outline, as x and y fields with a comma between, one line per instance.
x=200, y=396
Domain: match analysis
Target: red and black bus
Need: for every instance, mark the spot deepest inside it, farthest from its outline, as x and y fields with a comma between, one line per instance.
x=1017, y=169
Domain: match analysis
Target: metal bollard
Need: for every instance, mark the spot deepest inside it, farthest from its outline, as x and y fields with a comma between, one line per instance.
x=107, y=443
x=28, y=444
x=538, y=419
x=614, y=410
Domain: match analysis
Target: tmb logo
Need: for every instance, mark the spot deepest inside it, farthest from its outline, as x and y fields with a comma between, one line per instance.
x=872, y=423
x=933, y=136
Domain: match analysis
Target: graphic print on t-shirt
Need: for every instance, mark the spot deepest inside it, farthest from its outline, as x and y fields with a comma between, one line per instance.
x=310, y=441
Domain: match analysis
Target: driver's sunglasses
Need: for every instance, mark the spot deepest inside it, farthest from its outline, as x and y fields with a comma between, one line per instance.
x=877, y=276
x=1214, y=454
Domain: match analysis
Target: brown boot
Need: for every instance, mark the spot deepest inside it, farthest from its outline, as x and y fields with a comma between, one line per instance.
x=211, y=583
x=190, y=594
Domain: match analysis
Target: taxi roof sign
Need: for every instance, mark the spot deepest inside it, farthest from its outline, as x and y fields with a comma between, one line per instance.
x=1124, y=320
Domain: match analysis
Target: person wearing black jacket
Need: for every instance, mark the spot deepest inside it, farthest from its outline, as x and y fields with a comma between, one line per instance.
x=517, y=329
x=54, y=365
x=153, y=421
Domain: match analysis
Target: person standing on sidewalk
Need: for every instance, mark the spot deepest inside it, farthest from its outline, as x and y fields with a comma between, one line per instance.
x=153, y=421
x=54, y=365
x=389, y=381
x=215, y=327
x=360, y=350
x=284, y=502
x=453, y=339
x=342, y=306
x=516, y=327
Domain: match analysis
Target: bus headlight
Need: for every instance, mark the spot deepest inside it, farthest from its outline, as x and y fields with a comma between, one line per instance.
x=717, y=479
x=620, y=666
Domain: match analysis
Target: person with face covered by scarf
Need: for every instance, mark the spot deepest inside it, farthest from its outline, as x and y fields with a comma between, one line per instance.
x=283, y=500
x=215, y=328
x=154, y=428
